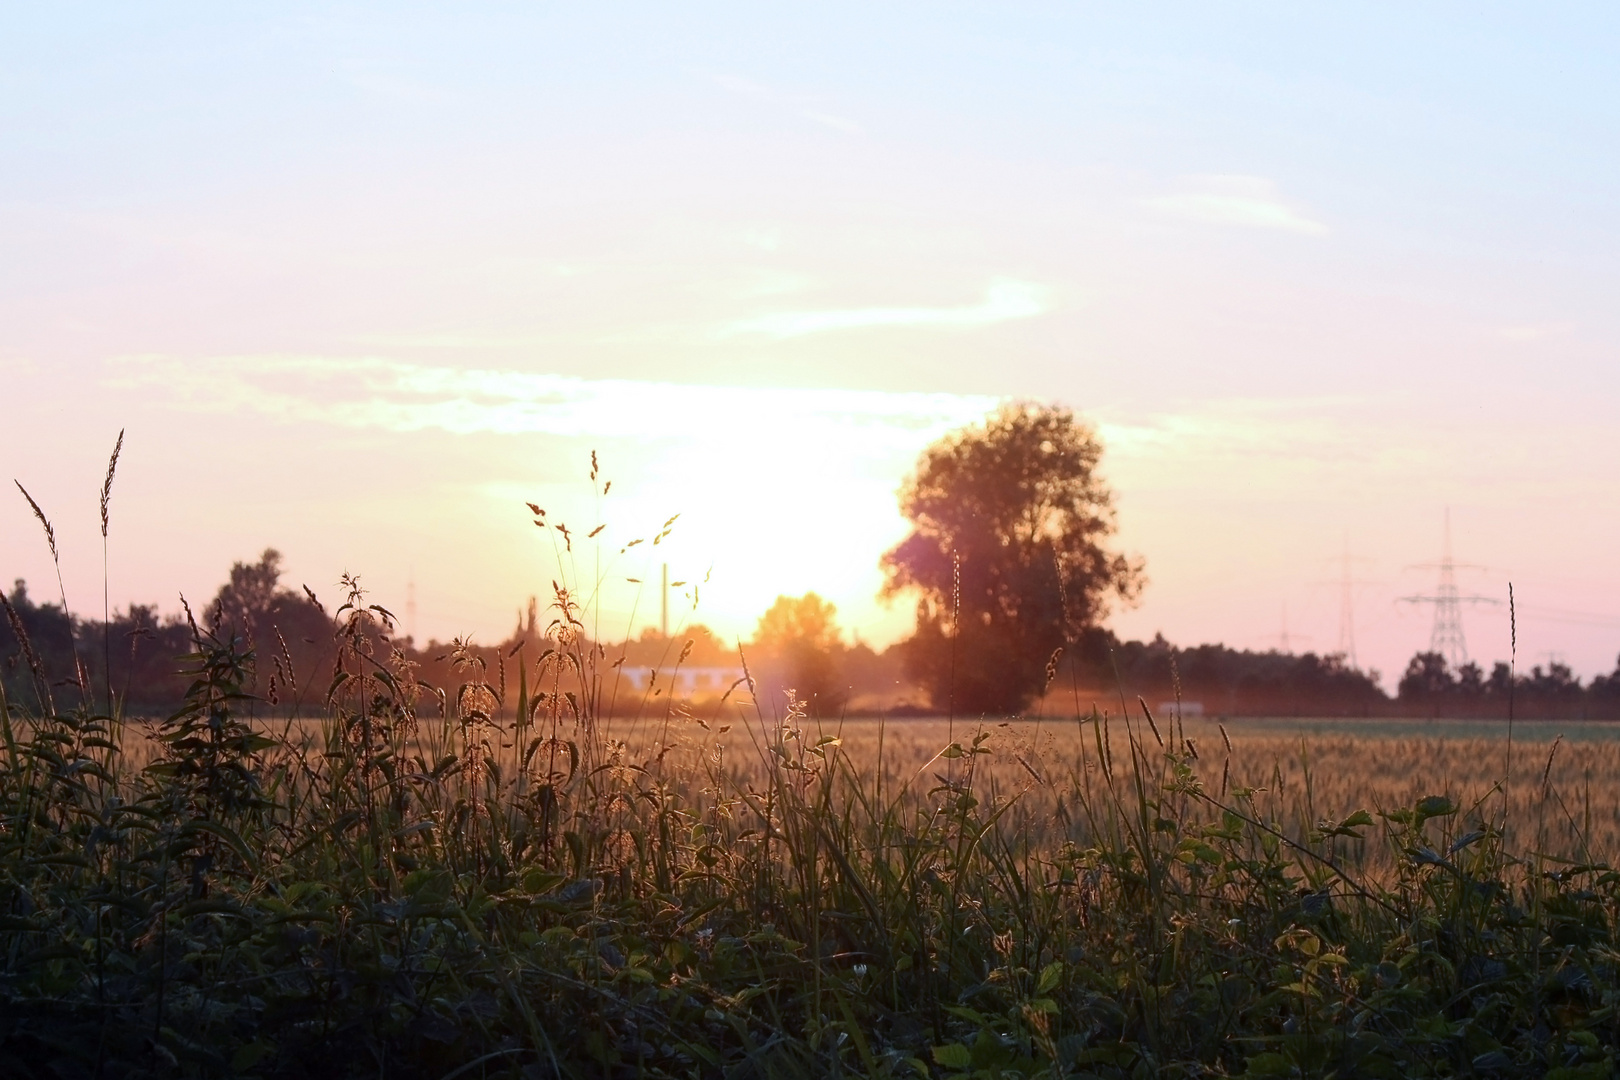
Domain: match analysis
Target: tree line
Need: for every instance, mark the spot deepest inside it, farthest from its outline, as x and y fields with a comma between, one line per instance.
x=1008, y=563
x=1430, y=687
x=797, y=645
x=49, y=656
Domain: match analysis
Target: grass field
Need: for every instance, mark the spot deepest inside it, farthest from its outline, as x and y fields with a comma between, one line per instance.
x=400, y=889
x=1556, y=789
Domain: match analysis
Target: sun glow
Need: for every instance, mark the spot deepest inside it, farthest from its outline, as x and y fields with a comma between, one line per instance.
x=778, y=490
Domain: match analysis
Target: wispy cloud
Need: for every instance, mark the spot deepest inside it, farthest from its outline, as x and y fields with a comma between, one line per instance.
x=1293, y=431
x=1002, y=301
x=452, y=340
x=807, y=106
x=404, y=397
x=1246, y=201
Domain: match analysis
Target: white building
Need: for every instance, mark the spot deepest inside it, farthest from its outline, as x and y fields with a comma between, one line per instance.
x=694, y=681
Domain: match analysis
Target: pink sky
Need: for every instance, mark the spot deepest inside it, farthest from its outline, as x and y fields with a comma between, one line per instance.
x=359, y=287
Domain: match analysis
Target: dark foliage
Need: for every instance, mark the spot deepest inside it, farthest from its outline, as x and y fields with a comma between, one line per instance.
x=1225, y=681
x=1430, y=687
x=378, y=900
x=288, y=635
x=1007, y=556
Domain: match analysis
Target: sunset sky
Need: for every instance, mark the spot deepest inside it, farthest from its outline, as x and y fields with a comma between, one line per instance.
x=360, y=280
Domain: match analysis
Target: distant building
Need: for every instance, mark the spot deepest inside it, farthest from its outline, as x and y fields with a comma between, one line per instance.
x=695, y=681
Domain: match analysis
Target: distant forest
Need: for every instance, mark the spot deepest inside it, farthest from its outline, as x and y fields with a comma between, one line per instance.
x=292, y=631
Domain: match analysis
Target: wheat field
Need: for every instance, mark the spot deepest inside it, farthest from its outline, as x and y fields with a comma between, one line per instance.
x=1552, y=789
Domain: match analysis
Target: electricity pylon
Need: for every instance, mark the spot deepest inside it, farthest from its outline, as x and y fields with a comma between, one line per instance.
x=1347, y=583
x=1446, y=638
x=1347, y=613
x=1285, y=640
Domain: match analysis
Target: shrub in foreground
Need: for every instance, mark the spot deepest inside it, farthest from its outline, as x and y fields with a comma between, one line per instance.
x=412, y=891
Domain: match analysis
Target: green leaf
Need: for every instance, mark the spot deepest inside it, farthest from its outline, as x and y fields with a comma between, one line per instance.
x=338, y=679
x=1269, y=1064
x=576, y=850
x=249, y=1055
x=539, y=882
x=972, y=1016
x=1591, y=1070
x=1435, y=806
x=215, y=906
x=227, y=834
x=429, y=886
x=1051, y=975
x=953, y=1056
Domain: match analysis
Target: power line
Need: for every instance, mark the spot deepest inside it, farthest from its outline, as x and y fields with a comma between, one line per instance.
x=1577, y=618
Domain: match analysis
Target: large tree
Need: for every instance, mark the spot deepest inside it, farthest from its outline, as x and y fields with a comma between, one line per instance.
x=799, y=634
x=1007, y=556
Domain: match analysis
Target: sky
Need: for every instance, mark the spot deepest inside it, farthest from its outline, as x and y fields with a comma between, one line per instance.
x=359, y=281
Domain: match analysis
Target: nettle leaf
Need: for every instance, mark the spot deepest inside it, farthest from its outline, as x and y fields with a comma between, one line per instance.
x=540, y=882
x=1435, y=806
x=953, y=1056
x=250, y=1054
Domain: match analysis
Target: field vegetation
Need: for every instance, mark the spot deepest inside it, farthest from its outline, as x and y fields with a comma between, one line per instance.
x=414, y=887
x=321, y=863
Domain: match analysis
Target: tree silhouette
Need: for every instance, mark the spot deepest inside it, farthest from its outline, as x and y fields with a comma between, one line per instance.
x=1007, y=555
x=801, y=634
x=246, y=600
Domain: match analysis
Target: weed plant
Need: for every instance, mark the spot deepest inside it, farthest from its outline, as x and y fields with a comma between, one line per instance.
x=420, y=886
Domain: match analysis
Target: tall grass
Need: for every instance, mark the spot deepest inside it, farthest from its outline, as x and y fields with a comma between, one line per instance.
x=417, y=886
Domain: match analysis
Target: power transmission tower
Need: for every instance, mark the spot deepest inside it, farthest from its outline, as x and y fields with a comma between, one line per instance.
x=1285, y=640
x=1446, y=638
x=1347, y=583
x=1347, y=612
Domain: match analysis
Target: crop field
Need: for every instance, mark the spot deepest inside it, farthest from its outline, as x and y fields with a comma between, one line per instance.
x=422, y=888
x=1559, y=781
x=1556, y=789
